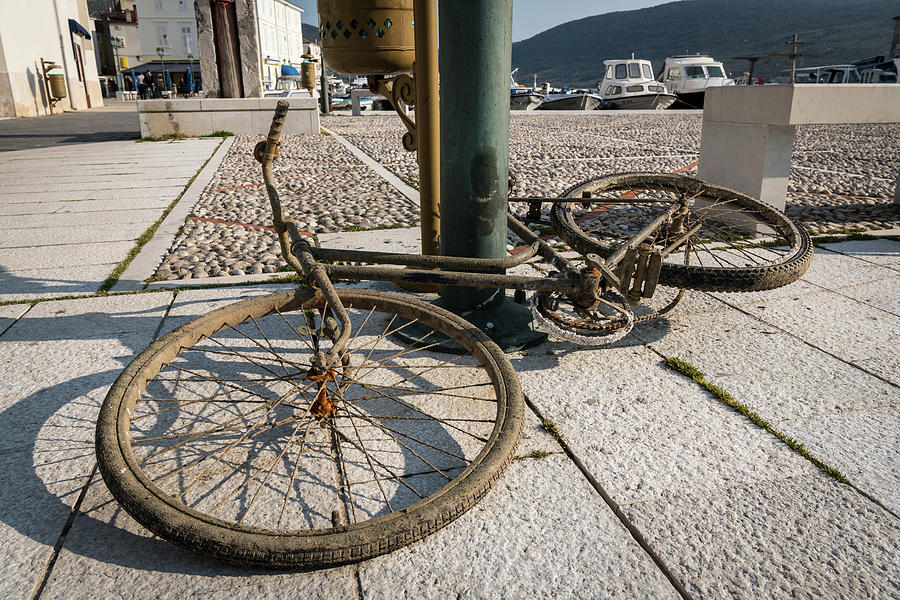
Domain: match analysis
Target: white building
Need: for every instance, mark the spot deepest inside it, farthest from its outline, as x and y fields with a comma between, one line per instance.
x=169, y=24
x=280, y=36
x=55, y=30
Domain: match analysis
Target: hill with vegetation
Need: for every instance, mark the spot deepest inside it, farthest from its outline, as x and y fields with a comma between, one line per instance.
x=837, y=31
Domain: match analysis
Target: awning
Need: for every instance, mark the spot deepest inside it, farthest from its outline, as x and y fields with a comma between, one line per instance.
x=75, y=27
x=289, y=70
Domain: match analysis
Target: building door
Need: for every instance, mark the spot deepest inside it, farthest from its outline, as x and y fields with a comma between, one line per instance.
x=228, y=59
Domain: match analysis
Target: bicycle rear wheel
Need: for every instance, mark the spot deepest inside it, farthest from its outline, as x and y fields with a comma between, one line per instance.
x=219, y=437
x=739, y=244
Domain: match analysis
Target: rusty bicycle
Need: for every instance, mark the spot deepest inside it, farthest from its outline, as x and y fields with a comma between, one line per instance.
x=322, y=425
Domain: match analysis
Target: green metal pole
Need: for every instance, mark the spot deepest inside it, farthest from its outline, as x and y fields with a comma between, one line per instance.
x=323, y=83
x=476, y=47
x=475, y=42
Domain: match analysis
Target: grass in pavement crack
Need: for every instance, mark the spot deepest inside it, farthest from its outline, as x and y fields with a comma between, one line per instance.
x=688, y=370
x=550, y=427
x=151, y=231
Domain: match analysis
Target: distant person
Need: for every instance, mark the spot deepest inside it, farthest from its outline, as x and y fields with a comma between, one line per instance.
x=152, y=90
x=761, y=80
x=141, y=86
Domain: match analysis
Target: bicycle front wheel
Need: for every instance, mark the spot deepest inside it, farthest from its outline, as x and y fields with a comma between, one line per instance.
x=737, y=243
x=224, y=438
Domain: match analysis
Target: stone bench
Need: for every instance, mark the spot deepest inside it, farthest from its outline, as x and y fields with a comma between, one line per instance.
x=748, y=131
x=203, y=116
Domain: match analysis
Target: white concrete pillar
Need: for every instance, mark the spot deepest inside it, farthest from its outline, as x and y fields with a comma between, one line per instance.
x=752, y=158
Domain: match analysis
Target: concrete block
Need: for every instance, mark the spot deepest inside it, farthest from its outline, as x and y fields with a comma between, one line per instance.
x=234, y=121
x=261, y=120
x=749, y=104
x=753, y=159
x=187, y=104
x=804, y=104
x=847, y=103
x=195, y=123
x=151, y=105
x=155, y=124
x=228, y=104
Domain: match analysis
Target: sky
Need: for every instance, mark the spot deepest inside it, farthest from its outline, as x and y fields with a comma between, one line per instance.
x=531, y=17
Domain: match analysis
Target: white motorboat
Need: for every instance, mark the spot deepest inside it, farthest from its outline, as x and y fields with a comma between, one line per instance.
x=629, y=84
x=689, y=76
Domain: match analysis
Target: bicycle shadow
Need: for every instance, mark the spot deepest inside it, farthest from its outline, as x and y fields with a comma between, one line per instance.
x=548, y=354
x=15, y=286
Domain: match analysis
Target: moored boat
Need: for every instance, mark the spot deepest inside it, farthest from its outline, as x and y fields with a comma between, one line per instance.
x=521, y=97
x=689, y=76
x=571, y=102
x=629, y=84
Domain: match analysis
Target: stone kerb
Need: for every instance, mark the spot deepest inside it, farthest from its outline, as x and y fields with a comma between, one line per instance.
x=204, y=116
x=748, y=131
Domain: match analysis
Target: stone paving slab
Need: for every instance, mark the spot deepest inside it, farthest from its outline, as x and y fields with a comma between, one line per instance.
x=802, y=537
x=885, y=252
x=120, y=216
x=28, y=284
x=56, y=363
x=30, y=208
x=128, y=184
x=48, y=257
x=672, y=457
x=10, y=314
x=642, y=430
x=56, y=256
x=866, y=337
x=542, y=532
x=60, y=236
x=860, y=444
x=107, y=553
x=795, y=387
x=99, y=198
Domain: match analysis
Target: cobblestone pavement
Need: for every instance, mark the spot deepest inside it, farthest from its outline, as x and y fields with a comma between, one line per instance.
x=842, y=178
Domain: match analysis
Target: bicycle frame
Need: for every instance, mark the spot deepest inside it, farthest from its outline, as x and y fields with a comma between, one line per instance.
x=583, y=285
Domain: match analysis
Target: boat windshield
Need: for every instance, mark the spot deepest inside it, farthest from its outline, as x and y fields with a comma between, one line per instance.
x=634, y=70
x=715, y=71
x=648, y=74
x=609, y=72
x=694, y=72
x=621, y=71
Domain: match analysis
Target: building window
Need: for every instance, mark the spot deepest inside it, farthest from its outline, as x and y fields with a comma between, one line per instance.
x=182, y=5
x=158, y=5
x=187, y=39
x=162, y=35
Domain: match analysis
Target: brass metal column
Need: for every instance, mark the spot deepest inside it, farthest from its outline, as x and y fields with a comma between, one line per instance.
x=428, y=124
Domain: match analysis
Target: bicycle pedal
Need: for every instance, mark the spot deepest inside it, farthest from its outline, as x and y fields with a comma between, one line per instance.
x=639, y=272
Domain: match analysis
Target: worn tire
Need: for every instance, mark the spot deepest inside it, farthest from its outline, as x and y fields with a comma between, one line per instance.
x=314, y=548
x=779, y=271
